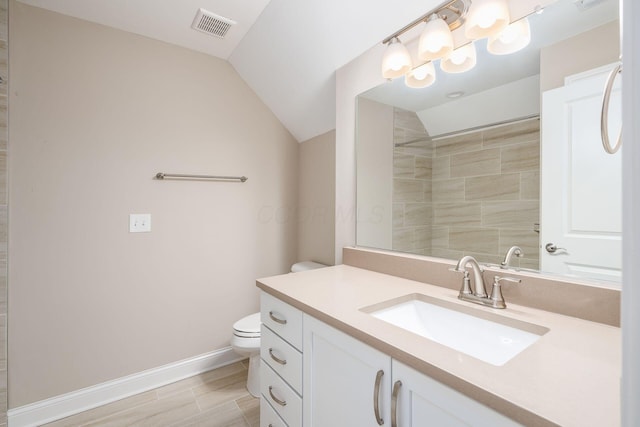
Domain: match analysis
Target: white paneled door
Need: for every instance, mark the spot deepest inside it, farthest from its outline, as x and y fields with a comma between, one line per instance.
x=581, y=189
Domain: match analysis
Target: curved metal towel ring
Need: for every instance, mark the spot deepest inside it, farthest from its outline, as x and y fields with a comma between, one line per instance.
x=604, y=116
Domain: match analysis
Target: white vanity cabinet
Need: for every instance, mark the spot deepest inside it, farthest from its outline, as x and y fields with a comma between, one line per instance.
x=423, y=401
x=280, y=364
x=343, y=379
x=340, y=374
x=347, y=383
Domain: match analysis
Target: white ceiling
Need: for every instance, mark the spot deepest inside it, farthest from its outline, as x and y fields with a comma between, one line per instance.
x=286, y=50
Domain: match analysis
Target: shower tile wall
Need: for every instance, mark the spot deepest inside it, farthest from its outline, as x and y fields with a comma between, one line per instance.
x=412, y=209
x=473, y=194
x=486, y=191
x=3, y=209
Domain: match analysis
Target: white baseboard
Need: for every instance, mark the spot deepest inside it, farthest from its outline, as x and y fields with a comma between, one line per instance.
x=58, y=407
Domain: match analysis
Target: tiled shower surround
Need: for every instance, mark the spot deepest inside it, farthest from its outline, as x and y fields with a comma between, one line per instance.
x=475, y=194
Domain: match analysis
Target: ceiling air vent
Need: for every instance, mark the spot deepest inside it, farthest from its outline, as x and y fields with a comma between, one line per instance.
x=212, y=24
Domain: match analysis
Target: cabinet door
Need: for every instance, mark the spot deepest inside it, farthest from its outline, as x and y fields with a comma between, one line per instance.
x=422, y=401
x=339, y=379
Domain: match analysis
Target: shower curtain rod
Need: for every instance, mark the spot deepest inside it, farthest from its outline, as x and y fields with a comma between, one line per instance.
x=468, y=130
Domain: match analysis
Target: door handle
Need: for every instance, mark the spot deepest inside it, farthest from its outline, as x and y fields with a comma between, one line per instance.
x=552, y=248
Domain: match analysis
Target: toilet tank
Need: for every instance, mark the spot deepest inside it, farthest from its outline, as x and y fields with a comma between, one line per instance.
x=306, y=265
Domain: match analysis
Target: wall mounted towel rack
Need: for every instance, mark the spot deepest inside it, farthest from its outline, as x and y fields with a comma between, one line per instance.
x=162, y=175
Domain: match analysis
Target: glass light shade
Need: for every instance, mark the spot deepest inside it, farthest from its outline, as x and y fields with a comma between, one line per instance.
x=513, y=38
x=436, y=40
x=486, y=18
x=460, y=60
x=396, y=60
x=421, y=76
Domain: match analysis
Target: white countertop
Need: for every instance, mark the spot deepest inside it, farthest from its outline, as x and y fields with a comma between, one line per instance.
x=569, y=377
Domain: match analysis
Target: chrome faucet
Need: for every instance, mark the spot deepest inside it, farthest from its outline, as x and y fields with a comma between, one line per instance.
x=513, y=250
x=479, y=293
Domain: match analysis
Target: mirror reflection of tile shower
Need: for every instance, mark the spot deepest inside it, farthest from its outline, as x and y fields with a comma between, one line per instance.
x=474, y=193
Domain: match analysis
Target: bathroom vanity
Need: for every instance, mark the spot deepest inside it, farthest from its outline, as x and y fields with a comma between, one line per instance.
x=348, y=367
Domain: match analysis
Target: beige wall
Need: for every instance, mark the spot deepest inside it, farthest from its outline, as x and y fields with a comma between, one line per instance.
x=357, y=76
x=374, y=173
x=594, y=48
x=316, y=199
x=95, y=113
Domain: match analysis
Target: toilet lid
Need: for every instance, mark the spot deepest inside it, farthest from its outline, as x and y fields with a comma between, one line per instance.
x=248, y=326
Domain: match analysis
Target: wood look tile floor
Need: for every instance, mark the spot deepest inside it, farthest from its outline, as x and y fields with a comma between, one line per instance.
x=217, y=398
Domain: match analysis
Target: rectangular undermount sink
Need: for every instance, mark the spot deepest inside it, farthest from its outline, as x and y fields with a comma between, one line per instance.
x=486, y=336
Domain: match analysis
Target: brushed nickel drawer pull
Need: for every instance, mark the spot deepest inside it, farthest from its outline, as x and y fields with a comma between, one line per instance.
x=275, y=399
x=276, y=319
x=376, y=397
x=277, y=359
x=394, y=403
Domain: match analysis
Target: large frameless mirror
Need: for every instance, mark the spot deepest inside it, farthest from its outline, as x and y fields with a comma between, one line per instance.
x=505, y=154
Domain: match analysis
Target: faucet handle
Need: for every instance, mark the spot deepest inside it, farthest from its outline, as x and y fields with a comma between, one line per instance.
x=466, y=282
x=497, y=300
x=499, y=279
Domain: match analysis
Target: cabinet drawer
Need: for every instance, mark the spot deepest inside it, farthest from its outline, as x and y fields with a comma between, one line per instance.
x=268, y=416
x=282, y=357
x=282, y=319
x=282, y=398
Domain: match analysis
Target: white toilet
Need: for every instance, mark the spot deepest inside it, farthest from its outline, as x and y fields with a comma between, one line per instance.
x=246, y=336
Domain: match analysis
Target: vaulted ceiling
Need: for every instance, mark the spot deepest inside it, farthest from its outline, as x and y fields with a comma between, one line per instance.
x=286, y=50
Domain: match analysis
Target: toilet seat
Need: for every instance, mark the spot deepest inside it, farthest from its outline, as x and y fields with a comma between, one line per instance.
x=248, y=326
x=246, y=337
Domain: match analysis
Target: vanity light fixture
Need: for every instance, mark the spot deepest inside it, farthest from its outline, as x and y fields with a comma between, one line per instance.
x=514, y=37
x=460, y=60
x=486, y=18
x=478, y=18
x=422, y=76
x=436, y=40
x=396, y=61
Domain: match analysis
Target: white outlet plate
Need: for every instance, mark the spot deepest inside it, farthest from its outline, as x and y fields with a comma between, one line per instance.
x=139, y=223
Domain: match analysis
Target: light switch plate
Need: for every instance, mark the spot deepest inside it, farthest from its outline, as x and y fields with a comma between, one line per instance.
x=139, y=223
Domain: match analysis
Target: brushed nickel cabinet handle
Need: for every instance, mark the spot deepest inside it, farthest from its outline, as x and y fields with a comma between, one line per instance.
x=275, y=399
x=277, y=359
x=376, y=397
x=394, y=403
x=277, y=319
